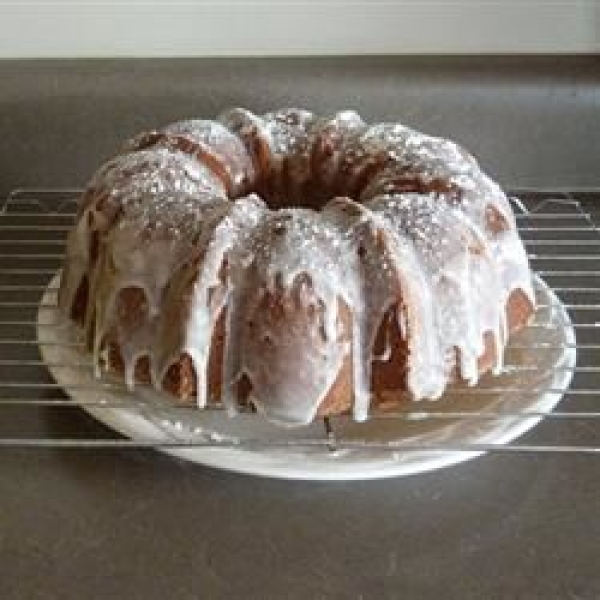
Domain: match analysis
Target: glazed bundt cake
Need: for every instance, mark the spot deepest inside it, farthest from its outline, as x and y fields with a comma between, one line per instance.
x=295, y=265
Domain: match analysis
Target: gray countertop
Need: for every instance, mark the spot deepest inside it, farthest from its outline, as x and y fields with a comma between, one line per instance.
x=137, y=524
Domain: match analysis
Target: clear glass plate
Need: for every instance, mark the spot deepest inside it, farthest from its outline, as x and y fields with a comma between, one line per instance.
x=542, y=356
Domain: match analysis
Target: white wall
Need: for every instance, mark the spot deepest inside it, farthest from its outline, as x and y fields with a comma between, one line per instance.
x=54, y=28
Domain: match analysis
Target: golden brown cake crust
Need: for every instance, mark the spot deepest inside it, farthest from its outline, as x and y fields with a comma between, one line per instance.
x=388, y=375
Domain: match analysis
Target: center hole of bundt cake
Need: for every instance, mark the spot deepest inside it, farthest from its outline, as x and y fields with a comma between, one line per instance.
x=282, y=197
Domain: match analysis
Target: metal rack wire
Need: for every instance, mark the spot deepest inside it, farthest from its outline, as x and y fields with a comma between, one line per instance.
x=563, y=243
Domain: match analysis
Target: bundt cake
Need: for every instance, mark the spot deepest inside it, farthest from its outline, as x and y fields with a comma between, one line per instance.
x=295, y=265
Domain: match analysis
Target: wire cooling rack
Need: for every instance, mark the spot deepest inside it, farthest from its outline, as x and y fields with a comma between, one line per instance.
x=559, y=228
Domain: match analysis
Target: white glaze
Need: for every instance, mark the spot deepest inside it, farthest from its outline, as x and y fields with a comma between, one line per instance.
x=210, y=138
x=302, y=291
x=293, y=350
